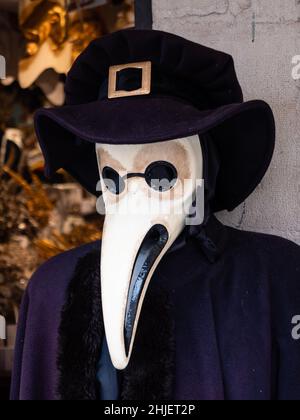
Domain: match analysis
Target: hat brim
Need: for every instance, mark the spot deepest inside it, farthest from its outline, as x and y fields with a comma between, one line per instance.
x=244, y=134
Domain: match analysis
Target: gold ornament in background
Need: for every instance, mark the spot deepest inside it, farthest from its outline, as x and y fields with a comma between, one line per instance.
x=56, y=34
x=37, y=202
x=81, y=33
x=47, y=21
x=17, y=262
x=16, y=266
x=27, y=236
x=13, y=212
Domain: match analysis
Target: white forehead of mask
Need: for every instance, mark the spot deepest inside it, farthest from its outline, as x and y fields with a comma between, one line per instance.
x=126, y=155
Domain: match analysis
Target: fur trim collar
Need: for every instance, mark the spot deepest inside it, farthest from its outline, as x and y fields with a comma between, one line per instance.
x=150, y=374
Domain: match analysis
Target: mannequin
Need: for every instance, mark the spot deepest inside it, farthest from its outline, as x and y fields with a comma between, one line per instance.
x=174, y=310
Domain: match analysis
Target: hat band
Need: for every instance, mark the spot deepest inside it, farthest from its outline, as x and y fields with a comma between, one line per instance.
x=130, y=79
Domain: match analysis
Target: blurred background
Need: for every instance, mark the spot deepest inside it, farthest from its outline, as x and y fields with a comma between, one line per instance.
x=40, y=39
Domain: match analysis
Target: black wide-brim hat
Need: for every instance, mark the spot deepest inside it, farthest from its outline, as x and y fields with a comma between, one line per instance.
x=138, y=87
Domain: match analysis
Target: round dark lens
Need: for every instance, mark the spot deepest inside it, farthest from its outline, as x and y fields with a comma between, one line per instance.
x=113, y=181
x=161, y=176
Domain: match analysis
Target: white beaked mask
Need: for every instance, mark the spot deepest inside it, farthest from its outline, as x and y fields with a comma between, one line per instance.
x=148, y=191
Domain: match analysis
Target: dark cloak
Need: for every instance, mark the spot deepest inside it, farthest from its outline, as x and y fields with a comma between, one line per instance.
x=209, y=330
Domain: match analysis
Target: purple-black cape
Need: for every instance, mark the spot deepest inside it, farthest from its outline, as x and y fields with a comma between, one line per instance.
x=211, y=328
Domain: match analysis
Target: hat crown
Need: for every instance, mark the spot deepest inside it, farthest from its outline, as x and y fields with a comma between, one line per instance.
x=181, y=68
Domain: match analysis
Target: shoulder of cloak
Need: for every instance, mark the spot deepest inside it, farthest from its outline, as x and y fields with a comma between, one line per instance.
x=279, y=254
x=273, y=263
x=276, y=262
x=54, y=276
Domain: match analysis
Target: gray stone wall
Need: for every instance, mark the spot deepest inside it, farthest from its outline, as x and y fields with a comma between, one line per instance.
x=263, y=36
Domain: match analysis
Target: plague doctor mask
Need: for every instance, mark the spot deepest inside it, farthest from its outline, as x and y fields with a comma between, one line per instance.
x=147, y=191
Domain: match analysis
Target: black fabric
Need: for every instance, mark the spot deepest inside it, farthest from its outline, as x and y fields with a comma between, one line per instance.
x=129, y=80
x=206, y=238
x=246, y=157
x=150, y=373
x=211, y=170
x=81, y=333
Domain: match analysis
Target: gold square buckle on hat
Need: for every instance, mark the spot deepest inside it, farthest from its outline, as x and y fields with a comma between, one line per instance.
x=145, y=89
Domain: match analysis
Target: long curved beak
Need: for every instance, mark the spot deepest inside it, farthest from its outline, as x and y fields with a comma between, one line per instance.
x=128, y=262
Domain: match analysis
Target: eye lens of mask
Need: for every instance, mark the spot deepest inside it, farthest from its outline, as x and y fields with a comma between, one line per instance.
x=113, y=181
x=161, y=176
